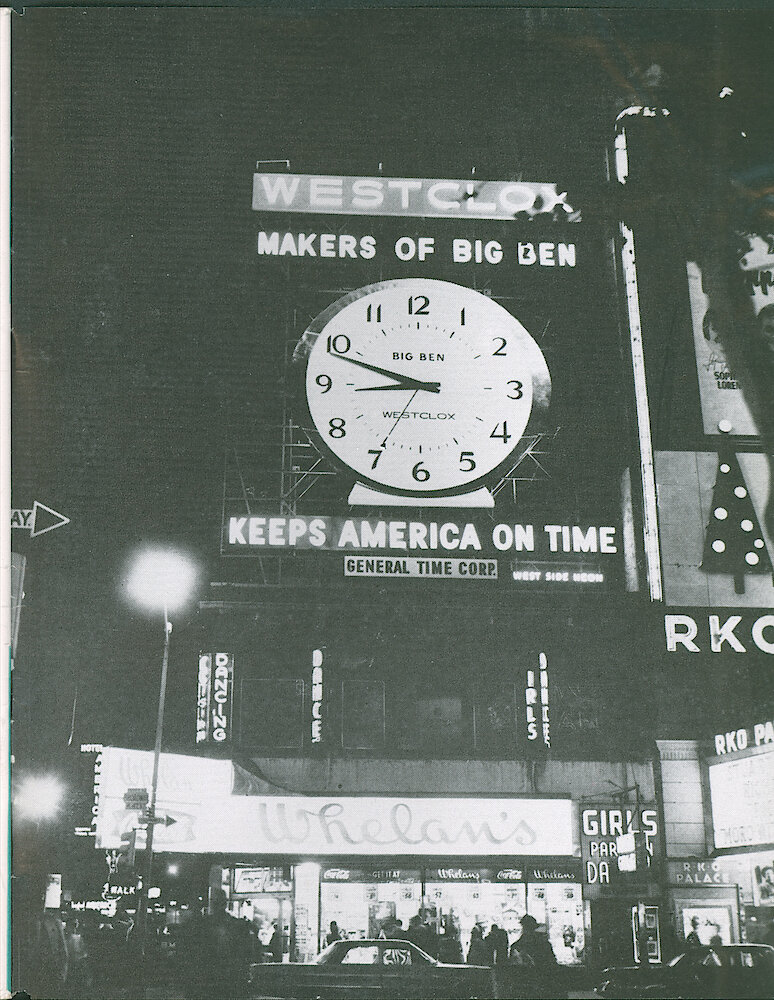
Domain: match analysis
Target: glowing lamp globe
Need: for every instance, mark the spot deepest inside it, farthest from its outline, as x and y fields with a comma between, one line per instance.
x=38, y=798
x=161, y=580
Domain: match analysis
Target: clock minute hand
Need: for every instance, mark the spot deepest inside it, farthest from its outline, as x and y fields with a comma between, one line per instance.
x=407, y=383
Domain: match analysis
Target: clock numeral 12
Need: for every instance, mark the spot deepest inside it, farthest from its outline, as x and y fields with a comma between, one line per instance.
x=505, y=436
x=418, y=305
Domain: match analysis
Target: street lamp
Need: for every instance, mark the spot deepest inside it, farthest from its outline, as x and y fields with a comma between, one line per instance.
x=38, y=797
x=158, y=580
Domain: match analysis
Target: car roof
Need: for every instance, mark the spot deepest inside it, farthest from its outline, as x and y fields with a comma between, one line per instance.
x=391, y=942
x=747, y=945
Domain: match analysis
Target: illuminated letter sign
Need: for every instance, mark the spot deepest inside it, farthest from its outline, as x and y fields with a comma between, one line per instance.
x=404, y=196
x=317, y=696
x=536, y=704
x=214, y=697
x=203, y=694
x=222, y=697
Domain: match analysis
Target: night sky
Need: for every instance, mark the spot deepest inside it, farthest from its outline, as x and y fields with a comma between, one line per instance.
x=138, y=324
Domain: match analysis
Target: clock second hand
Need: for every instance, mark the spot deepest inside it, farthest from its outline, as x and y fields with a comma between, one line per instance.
x=384, y=443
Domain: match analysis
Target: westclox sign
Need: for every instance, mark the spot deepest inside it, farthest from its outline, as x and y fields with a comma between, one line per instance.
x=406, y=196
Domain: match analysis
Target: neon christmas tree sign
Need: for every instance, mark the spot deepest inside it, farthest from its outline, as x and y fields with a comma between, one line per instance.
x=733, y=542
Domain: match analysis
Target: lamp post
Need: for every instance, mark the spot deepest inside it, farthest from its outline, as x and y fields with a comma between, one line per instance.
x=157, y=580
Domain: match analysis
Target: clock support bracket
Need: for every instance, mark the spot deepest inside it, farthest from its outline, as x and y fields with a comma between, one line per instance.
x=366, y=496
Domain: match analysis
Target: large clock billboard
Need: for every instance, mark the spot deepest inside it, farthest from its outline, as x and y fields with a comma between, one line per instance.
x=454, y=399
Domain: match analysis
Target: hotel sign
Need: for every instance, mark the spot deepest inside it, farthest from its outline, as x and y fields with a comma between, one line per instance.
x=406, y=196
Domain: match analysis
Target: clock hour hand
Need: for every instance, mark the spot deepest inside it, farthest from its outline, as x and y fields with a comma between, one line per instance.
x=406, y=382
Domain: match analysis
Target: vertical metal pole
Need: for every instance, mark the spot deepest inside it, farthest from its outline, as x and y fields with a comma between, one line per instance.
x=647, y=470
x=142, y=906
x=7, y=638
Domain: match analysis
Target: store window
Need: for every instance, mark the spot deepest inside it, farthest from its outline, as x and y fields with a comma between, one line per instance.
x=271, y=713
x=559, y=906
x=451, y=899
x=362, y=715
x=459, y=898
x=363, y=902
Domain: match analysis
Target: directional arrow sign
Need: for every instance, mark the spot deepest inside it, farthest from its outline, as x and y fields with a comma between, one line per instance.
x=166, y=820
x=38, y=519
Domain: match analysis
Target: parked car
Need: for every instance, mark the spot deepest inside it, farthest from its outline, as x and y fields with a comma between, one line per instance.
x=733, y=970
x=372, y=968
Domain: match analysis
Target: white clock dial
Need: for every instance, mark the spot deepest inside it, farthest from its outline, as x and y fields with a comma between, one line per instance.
x=422, y=387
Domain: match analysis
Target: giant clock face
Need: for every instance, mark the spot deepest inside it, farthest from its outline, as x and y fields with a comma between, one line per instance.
x=422, y=387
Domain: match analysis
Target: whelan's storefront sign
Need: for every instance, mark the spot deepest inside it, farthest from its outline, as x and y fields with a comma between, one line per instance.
x=201, y=817
x=320, y=826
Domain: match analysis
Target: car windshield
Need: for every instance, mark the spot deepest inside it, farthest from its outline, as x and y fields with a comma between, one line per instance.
x=696, y=956
x=327, y=954
x=338, y=952
x=747, y=958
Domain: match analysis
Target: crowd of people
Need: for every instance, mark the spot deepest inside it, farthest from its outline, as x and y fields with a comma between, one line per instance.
x=531, y=948
x=86, y=954
x=531, y=951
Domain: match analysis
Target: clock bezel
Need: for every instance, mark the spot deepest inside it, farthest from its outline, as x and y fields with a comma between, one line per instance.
x=541, y=395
